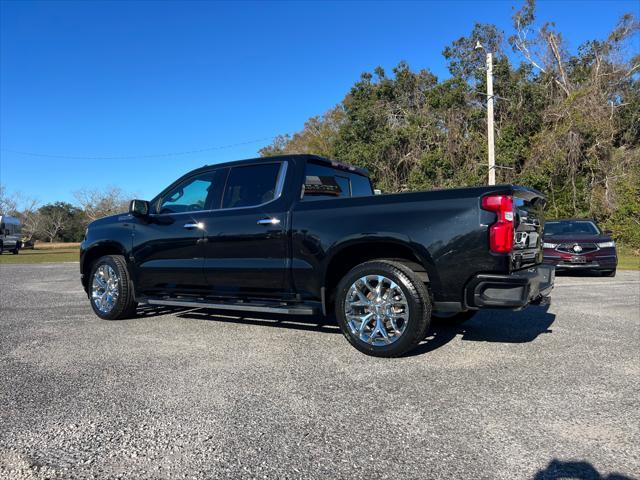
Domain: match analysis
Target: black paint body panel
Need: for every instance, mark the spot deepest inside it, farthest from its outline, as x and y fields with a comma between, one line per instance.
x=446, y=231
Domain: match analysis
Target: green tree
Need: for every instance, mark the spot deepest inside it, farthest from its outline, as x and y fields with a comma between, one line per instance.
x=566, y=123
x=61, y=221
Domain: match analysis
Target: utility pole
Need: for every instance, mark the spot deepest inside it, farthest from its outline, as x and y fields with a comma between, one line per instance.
x=490, y=139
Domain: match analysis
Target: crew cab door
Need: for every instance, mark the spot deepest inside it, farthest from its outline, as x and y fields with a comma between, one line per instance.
x=168, y=245
x=246, y=239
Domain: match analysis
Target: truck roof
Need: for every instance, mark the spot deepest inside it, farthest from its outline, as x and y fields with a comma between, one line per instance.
x=302, y=156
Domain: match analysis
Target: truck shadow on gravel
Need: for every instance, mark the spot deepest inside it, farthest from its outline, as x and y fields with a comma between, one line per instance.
x=264, y=319
x=576, y=470
x=306, y=323
x=502, y=326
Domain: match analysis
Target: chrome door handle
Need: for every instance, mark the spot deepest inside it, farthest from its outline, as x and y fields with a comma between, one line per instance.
x=189, y=226
x=269, y=221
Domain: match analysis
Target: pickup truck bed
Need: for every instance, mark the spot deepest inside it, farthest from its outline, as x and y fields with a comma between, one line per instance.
x=444, y=231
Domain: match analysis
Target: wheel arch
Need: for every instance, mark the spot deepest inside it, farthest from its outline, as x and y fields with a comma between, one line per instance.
x=356, y=252
x=93, y=253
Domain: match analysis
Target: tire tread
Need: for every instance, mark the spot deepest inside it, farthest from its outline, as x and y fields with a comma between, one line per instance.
x=420, y=298
x=126, y=305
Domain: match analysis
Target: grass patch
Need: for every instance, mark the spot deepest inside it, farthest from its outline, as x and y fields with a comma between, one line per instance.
x=56, y=245
x=628, y=259
x=57, y=255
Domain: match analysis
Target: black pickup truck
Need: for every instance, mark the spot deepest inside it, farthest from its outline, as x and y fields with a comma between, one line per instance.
x=304, y=235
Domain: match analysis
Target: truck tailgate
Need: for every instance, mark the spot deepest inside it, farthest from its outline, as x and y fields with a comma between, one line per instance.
x=528, y=208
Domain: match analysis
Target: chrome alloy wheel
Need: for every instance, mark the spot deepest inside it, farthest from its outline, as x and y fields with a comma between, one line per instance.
x=376, y=310
x=104, y=288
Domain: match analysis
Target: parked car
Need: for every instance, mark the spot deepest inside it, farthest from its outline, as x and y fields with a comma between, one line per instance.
x=303, y=235
x=10, y=236
x=27, y=244
x=579, y=244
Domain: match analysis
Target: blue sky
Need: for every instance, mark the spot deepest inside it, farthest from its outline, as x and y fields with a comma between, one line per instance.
x=130, y=79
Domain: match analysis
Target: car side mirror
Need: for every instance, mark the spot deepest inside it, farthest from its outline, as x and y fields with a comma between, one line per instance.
x=139, y=208
x=608, y=232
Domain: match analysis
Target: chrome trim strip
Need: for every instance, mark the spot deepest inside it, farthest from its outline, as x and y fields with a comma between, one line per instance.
x=557, y=249
x=193, y=225
x=282, y=174
x=268, y=221
x=237, y=307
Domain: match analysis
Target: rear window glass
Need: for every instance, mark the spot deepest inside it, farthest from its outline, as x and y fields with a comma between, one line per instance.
x=360, y=185
x=322, y=182
x=327, y=186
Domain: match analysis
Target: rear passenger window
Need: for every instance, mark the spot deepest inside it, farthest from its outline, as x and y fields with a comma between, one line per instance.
x=251, y=185
x=322, y=182
x=360, y=185
x=325, y=186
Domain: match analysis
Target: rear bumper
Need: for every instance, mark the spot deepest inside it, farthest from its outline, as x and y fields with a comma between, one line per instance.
x=516, y=290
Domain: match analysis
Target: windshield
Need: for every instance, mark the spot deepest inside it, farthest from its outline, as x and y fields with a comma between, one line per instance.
x=571, y=227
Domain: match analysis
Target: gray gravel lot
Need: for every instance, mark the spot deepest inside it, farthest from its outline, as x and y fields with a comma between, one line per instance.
x=541, y=393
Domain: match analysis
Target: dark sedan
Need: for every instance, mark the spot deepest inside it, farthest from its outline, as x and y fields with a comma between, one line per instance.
x=579, y=245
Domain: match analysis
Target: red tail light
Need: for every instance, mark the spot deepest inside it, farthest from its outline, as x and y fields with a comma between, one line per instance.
x=501, y=232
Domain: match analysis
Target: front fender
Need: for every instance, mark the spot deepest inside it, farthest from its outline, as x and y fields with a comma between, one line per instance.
x=105, y=238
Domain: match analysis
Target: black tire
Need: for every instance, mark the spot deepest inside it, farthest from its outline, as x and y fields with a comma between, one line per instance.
x=16, y=249
x=453, y=318
x=609, y=273
x=125, y=305
x=418, y=301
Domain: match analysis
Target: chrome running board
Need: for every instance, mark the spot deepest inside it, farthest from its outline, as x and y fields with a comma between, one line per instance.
x=240, y=307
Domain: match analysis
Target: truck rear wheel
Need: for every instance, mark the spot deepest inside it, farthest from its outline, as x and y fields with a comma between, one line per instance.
x=110, y=288
x=383, y=308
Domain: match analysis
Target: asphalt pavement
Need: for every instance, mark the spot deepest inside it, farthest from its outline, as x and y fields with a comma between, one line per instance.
x=546, y=393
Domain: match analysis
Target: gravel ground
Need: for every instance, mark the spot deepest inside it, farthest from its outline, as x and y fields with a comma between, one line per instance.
x=546, y=393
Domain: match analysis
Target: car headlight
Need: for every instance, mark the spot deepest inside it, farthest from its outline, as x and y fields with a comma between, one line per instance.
x=607, y=244
x=549, y=245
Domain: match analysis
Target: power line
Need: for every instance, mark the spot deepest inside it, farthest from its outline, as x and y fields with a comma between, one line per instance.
x=132, y=157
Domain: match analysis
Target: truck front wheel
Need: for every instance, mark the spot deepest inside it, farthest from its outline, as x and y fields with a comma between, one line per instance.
x=110, y=288
x=383, y=308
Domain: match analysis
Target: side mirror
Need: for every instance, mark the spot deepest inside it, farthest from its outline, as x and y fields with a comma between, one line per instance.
x=608, y=232
x=139, y=208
